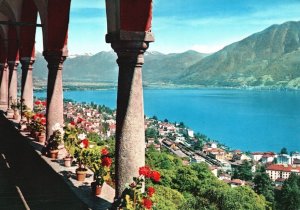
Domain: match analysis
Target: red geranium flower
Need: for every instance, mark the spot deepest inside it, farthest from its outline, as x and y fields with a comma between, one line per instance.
x=38, y=102
x=85, y=143
x=44, y=103
x=150, y=191
x=106, y=161
x=41, y=115
x=43, y=121
x=155, y=176
x=145, y=170
x=104, y=151
x=147, y=203
x=79, y=120
x=36, y=116
x=72, y=123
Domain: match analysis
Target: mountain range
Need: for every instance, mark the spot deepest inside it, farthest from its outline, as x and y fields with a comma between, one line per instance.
x=270, y=58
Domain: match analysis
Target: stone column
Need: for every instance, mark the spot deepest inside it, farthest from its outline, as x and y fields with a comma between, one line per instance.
x=27, y=86
x=3, y=87
x=13, y=82
x=130, y=131
x=54, y=112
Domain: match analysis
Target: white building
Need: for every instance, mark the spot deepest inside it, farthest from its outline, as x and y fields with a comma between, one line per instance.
x=190, y=133
x=276, y=171
x=256, y=156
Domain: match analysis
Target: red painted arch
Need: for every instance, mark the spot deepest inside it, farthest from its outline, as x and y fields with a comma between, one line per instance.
x=57, y=25
x=3, y=54
x=13, y=47
x=135, y=15
x=27, y=33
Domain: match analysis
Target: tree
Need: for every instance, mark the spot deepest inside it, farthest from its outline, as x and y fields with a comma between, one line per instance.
x=151, y=133
x=181, y=125
x=289, y=196
x=243, y=172
x=167, y=198
x=263, y=186
x=284, y=151
x=242, y=198
x=166, y=120
x=200, y=188
x=198, y=145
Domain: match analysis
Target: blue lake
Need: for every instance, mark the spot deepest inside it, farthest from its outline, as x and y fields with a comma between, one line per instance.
x=252, y=120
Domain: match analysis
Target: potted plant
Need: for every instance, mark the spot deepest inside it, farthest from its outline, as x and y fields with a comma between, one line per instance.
x=101, y=171
x=42, y=130
x=70, y=156
x=70, y=140
x=28, y=114
x=56, y=139
x=134, y=196
x=15, y=106
x=81, y=155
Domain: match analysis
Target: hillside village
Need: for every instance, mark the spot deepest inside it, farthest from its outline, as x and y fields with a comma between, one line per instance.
x=190, y=147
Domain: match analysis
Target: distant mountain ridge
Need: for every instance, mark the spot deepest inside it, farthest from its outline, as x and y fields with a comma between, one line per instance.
x=270, y=58
x=102, y=66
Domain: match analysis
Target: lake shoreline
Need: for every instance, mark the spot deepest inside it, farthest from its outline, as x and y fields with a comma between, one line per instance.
x=259, y=120
x=114, y=87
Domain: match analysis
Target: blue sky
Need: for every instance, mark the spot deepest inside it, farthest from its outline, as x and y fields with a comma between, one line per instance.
x=180, y=25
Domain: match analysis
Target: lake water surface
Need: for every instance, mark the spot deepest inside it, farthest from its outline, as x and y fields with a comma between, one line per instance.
x=252, y=120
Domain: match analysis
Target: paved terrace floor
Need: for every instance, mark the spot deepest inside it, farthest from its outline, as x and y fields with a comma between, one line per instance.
x=26, y=181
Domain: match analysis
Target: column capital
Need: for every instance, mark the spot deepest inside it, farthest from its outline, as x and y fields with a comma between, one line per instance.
x=27, y=63
x=122, y=35
x=13, y=65
x=13, y=62
x=55, y=59
x=130, y=53
x=27, y=60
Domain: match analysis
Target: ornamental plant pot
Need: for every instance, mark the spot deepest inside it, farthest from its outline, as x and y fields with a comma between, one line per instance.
x=32, y=133
x=28, y=129
x=53, y=154
x=68, y=161
x=16, y=115
x=36, y=135
x=96, y=188
x=42, y=137
x=10, y=114
x=81, y=174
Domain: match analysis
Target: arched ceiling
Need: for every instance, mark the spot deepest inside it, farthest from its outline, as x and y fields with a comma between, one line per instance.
x=13, y=7
x=55, y=24
x=12, y=10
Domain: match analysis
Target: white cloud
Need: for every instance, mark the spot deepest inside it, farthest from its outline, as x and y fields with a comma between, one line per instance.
x=207, y=48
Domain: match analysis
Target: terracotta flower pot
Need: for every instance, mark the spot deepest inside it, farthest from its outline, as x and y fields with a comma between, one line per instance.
x=16, y=115
x=36, y=135
x=10, y=114
x=96, y=188
x=42, y=137
x=68, y=161
x=81, y=174
x=53, y=154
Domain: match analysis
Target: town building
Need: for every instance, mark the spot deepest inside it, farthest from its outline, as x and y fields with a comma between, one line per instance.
x=276, y=171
